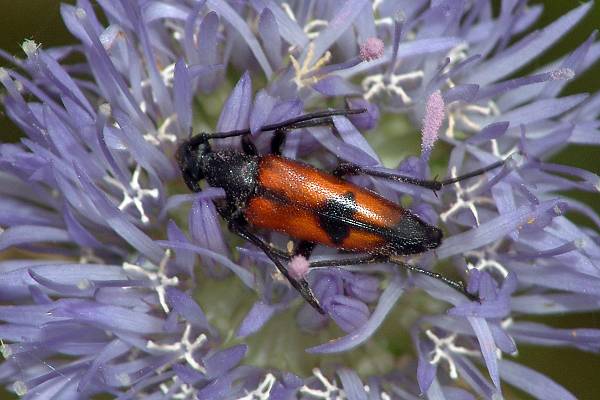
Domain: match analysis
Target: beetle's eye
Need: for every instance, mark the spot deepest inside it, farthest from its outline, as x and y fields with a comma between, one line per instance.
x=182, y=155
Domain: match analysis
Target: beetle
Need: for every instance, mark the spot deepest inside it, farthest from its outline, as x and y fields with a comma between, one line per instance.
x=274, y=193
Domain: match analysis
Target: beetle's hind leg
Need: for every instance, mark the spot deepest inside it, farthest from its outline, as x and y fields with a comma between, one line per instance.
x=248, y=147
x=375, y=258
x=304, y=249
x=300, y=284
x=278, y=141
x=345, y=168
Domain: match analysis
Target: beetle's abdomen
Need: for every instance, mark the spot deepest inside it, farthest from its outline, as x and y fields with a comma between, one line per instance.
x=308, y=204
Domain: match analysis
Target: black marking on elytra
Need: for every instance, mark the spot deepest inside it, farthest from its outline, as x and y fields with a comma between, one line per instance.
x=335, y=210
x=337, y=218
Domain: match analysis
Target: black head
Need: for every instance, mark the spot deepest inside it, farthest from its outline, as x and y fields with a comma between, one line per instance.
x=189, y=159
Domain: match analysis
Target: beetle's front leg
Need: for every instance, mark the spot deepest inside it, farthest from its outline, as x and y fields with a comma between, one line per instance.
x=300, y=284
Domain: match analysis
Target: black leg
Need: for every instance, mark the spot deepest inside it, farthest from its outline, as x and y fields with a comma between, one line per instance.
x=374, y=258
x=278, y=141
x=362, y=259
x=191, y=183
x=304, y=249
x=301, y=285
x=345, y=168
x=237, y=225
x=352, y=169
x=249, y=147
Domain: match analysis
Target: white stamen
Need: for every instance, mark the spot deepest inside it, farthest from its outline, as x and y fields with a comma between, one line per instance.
x=313, y=28
x=184, y=391
x=382, y=395
x=159, y=278
x=20, y=388
x=167, y=74
x=288, y=10
x=124, y=379
x=84, y=284
x=80, y=13
x=375, y=84
x=331, y=392
x=105, y=109
x=377, y=4
x=162, y=132
x=308, y=67
x=485, y=263
x=263, y=391
x=462, y=200
x=184, y=346
x=386, y=21
x=457, y=112
x=5, y=349
x=110, y=35
x=457, y=54
x=444, y=347
x=134, y=194
x=177, y=29
x=88, y=257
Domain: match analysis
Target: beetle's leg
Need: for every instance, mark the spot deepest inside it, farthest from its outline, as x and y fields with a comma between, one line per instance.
x=458, y=286
x=278, y=141
x=191, y=183
x=352, y=169
x=301, y=285
x=236, y=222
x=346, y=168
x=364, y=259
x=374, y=258
x=304, y=249
x=248, y=147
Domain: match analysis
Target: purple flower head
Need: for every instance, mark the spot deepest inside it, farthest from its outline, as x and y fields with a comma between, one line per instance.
x=116, y=280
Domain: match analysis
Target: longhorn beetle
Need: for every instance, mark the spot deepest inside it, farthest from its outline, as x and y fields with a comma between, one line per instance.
x=271, y=192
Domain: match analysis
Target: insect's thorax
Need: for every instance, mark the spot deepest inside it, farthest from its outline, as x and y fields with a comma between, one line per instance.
x=235, y=172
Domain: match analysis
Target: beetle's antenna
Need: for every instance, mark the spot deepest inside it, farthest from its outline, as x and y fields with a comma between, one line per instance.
x=302, y=121
x=474, y=173
x=456, y=285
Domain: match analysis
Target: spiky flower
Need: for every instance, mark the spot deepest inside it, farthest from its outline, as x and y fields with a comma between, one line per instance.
x=114, y=279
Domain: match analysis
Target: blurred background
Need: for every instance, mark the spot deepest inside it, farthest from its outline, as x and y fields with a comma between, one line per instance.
x=40, y=21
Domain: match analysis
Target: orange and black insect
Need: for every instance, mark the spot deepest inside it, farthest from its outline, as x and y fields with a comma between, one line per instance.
x=271, y=192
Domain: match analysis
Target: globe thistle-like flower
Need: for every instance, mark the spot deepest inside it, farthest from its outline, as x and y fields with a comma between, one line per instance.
x=115, y=279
